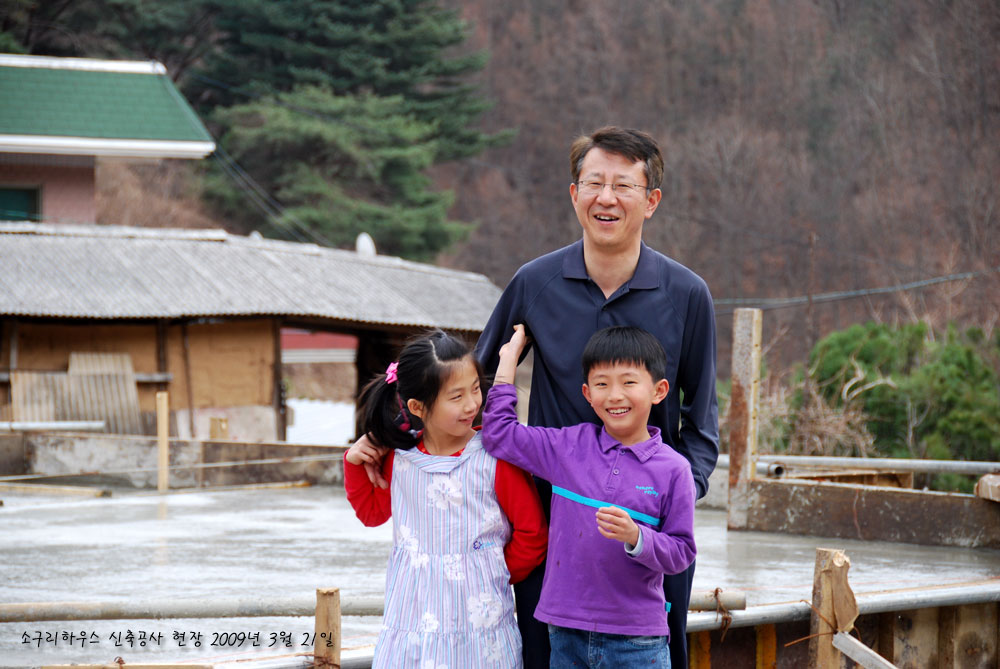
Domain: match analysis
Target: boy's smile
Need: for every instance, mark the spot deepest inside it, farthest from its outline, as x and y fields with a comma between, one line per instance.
x=621, y=395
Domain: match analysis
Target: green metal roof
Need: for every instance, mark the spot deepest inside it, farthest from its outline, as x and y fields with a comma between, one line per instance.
x=94, y=107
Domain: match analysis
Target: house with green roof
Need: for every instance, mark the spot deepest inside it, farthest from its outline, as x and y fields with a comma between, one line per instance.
x=58, y=116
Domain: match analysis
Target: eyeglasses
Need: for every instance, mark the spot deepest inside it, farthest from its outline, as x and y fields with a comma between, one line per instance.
x=619, y=189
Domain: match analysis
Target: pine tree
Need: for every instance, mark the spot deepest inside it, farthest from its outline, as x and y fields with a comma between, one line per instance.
x=347, y=164
x=381, y=75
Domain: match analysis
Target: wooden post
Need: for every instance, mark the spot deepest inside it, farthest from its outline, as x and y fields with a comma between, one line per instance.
x=834, y=608
x=162, y=442
x=326, y=648
x=189, y=380
x=743, y=402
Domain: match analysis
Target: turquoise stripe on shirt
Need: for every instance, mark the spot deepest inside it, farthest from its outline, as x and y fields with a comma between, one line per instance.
x=596, y=503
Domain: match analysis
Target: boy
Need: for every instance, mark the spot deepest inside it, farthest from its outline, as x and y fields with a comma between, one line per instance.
x=604, y=601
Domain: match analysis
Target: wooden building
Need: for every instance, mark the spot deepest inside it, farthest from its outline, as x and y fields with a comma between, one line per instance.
x=200, y=312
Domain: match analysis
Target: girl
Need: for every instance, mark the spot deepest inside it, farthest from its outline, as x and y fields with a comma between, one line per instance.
x=465, y=525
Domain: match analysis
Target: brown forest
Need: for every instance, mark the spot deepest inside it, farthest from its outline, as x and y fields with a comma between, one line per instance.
x=812, y=147
x=823, y=150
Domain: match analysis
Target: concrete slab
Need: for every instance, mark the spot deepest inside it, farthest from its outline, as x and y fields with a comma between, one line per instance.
x=288, y=542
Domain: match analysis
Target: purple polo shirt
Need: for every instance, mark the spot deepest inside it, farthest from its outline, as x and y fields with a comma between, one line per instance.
x=591, y=583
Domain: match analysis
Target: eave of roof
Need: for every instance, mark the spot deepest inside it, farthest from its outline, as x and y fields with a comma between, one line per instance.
x=80, y=106
x=118, y=273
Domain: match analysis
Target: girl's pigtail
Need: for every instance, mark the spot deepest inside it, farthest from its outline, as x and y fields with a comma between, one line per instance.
x=382, y=413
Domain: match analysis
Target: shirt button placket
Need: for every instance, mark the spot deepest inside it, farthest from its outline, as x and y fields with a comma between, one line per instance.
x=613, y=480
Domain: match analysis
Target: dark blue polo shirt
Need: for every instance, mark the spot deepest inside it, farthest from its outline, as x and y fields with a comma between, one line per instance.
x=561, y=308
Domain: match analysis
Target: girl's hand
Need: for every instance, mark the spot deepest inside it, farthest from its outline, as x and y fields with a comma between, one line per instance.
x=615, y=523
x=364, y=452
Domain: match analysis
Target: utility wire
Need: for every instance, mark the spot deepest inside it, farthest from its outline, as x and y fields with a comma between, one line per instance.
x=273, y=209
x=768, y=303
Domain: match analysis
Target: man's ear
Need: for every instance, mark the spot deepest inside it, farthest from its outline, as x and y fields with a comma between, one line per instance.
x=586, y=393
x=652, y=201
x=416, y=407
x=660, y=391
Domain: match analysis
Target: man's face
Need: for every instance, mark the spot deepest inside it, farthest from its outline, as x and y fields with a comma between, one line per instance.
x=611, y=222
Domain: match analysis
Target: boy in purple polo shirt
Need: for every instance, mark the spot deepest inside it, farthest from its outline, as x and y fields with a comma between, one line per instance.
x=622, y=504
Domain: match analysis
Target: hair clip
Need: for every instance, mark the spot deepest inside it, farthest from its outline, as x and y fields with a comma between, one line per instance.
x=390, y=372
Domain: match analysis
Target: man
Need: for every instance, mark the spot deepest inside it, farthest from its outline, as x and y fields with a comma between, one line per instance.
x=609, y=277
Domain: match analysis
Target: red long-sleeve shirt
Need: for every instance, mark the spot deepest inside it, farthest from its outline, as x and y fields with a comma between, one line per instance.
x=515, y=492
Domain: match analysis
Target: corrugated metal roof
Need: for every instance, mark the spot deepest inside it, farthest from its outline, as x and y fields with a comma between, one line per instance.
x=113, y=272
x=94, y=107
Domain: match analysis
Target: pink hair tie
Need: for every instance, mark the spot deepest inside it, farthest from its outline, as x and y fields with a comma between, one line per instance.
x=390, y=373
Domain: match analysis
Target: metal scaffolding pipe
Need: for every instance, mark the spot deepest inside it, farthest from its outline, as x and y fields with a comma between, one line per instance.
x=970, y=467
x=775, y=465
x=181, y=608
x=876, y=602
x=251, y=608
x=771, y=469
x=41, y=425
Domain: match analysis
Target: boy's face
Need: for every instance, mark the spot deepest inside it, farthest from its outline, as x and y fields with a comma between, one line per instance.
x=621, y=395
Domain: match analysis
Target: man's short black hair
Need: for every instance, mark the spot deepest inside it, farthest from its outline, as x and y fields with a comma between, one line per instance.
x=625, y=345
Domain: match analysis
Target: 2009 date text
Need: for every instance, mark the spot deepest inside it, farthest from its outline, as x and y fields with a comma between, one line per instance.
x=143, y=639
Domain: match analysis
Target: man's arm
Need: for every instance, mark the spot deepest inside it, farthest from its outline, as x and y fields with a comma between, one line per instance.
x=699, y=410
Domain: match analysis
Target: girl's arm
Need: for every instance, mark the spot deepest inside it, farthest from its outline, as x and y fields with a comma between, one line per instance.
x=372, y=504
x=519, y=500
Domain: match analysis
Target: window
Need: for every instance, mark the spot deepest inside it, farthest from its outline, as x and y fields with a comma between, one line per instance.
x=19, y=204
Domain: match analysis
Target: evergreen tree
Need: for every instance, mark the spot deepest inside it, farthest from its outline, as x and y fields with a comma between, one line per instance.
x=342, y=165
x=337, y=108
x=387, y=47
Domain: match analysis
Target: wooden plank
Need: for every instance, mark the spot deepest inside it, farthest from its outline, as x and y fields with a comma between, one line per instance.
x=130, y=665
x=968, y=636
x=46, y=489
x=915, y=638
x=767, y=647
x=872, y=514
x=700, y=650
x=860, y=653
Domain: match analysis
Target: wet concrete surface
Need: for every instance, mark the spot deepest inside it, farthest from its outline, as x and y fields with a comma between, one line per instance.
x=288, y=542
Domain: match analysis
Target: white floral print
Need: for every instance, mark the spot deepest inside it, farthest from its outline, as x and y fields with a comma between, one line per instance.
x=484, y=610
x=406, y=539
x=494, y=650
x=444, y=491
x=453, y=569
x=421, y=560
x=492, y=521
x=432, y=664
x=429, y=623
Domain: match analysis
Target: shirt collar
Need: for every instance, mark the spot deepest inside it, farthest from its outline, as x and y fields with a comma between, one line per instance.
x=644, y=277
x=643, y=451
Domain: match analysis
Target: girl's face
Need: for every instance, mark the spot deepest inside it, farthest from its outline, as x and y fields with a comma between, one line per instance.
x=456, y=406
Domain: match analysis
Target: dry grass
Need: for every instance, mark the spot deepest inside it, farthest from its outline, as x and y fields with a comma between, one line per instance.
x=160, y=194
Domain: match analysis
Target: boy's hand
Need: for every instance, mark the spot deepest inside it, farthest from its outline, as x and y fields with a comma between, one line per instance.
x=510, y=353
x=364, y=452
x=615, y=523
